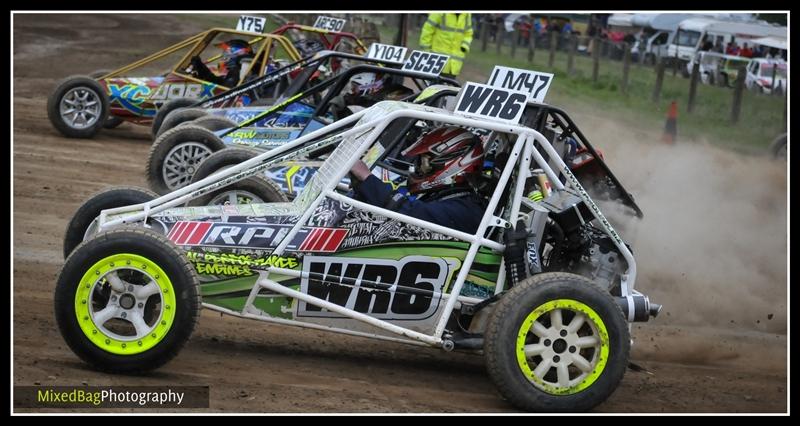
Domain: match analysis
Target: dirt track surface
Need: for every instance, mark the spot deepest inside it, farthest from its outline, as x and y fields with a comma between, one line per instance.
x=254, y=367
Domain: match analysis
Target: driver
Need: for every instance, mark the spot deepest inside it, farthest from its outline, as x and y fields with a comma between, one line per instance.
x=367, y=88
x=441, y=187
x=233, y=53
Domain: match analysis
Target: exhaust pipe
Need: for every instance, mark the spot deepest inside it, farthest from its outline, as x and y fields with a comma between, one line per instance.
x=638, y=308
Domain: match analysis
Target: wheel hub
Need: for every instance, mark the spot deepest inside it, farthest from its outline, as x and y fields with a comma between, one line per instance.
x=559, y=346
x=180, y=163
x=565, y=350
x=127, y=300
x=80, y=107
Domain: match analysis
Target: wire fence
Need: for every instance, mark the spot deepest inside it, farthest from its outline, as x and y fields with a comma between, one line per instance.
x=493, y=37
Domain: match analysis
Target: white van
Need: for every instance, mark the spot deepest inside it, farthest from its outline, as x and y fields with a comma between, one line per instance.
x=688, y=38
x=658, y=30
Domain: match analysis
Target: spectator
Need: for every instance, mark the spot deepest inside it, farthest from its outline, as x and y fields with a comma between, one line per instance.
x=732, y=48
x=629, y=38
x=746, y=52
x=450, y=34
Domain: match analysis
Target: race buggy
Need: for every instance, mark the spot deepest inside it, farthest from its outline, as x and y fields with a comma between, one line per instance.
x=81, y=105
x=266, y=90
x=259, y=95
x=532, y=288
x=178, y=153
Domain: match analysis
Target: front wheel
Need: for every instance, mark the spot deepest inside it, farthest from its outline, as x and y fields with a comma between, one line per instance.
x=127, y=300
x=82, y=225
x=176, y=154
x=78, y=107
x=556, y=342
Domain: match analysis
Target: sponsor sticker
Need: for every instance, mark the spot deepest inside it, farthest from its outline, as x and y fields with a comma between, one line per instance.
x=255, y=235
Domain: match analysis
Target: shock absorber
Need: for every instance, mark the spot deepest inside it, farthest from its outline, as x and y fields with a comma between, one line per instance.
x=515, y=240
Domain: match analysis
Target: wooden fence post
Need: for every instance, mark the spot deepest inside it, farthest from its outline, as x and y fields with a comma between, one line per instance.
x=595, y=58
x=514, y=41
x=736, y=108
x=573, y=46
x=660, y=64
x=531, y=44
x=693, y=86
x=499, y=33
x=484, y=34
x=626, y=66
x=774, y=91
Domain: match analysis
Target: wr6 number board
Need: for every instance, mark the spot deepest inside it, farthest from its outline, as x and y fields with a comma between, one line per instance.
x=493, y=103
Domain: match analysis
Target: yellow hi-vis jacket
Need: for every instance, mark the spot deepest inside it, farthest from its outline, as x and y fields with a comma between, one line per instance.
x=448, y=33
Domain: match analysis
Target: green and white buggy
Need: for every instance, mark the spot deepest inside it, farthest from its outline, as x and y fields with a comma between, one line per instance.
x=554, y=333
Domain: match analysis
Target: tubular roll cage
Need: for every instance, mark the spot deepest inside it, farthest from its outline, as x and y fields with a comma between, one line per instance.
x=314, y=61
x=203, y=39
x=538, y=120
x=335, y=85
x=522, y=155
x=337, y=35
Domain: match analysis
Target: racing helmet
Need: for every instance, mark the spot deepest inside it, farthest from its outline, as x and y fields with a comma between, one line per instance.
x=444, y=157
x=365, y=84
x=233, y=52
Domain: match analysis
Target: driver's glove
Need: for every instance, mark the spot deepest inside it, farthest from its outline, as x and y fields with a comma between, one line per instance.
x=197, y=63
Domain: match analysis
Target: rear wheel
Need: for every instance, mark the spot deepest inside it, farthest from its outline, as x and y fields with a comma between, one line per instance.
x=254, y=189
x=127, y=300
x=78, y=107
x=556, y=342
x=82, y=225
x=176, y=154
x=167, y=108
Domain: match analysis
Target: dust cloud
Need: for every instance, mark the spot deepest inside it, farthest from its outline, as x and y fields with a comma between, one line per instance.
x=712, y=246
